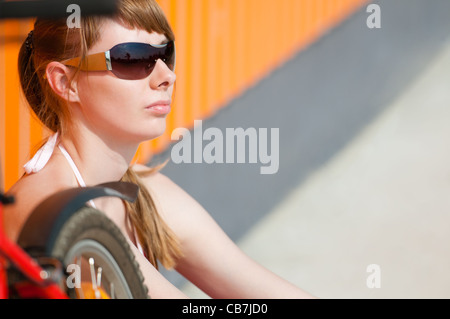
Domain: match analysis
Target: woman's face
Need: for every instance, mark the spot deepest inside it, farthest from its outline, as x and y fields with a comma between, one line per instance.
x=129, y=111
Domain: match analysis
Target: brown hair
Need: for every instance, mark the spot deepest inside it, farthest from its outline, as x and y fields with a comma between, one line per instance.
x=52, y=40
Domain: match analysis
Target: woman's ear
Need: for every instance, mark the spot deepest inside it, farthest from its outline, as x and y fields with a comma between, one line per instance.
x=59, y=78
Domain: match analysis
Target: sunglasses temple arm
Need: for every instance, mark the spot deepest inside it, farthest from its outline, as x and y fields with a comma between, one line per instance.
x=96, y=62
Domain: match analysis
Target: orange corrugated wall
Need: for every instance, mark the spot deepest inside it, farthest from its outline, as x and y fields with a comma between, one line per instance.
x=223, y=48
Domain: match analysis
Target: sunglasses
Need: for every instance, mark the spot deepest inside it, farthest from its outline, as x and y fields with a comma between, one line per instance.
x=128, y=61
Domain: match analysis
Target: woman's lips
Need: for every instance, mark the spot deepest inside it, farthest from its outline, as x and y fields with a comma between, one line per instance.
x=160, y=107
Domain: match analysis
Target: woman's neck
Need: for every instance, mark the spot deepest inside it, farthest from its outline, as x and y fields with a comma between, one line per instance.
x=98, y=159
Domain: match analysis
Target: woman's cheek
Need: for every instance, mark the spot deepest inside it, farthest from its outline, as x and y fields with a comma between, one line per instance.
x=117, y=108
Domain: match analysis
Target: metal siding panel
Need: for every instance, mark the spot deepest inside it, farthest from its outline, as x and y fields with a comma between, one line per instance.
x=2, y=106
x=12, y=115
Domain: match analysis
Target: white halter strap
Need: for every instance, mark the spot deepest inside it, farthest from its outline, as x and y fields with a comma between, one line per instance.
x=73, y=166
x=38, y=162
x=41, y=158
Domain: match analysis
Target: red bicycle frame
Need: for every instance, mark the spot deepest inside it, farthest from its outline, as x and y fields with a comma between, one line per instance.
x=13, y=255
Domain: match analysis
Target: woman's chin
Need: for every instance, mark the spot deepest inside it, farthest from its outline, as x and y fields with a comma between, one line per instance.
x=154, y=134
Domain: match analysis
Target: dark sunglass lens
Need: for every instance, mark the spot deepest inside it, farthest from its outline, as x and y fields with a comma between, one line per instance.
x=135, y=61
x=169, y=57
x=131, y=61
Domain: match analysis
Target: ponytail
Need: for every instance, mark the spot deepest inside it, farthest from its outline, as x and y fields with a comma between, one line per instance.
x=27, y=74
x=156, y=238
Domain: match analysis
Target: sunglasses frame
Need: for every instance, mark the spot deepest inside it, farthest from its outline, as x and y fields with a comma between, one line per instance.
x=102, y=61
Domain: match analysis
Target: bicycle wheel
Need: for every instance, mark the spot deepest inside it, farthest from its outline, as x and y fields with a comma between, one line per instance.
x=98, y=258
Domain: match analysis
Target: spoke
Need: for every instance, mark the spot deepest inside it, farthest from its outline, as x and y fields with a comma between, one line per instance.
x=99, y=277
x=94, y=282
x=112, y=291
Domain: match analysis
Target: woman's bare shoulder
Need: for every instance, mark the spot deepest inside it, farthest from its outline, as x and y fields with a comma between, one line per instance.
x=28, y=193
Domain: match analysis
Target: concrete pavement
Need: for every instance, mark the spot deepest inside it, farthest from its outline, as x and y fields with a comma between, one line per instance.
x=383, y=199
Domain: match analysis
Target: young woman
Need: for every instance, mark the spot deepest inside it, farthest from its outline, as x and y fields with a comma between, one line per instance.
x=93, y=88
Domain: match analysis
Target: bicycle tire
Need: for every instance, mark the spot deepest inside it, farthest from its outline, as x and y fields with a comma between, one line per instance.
x=89, y=231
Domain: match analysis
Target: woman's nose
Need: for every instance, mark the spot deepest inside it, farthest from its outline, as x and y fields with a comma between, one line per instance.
x=162, y=76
